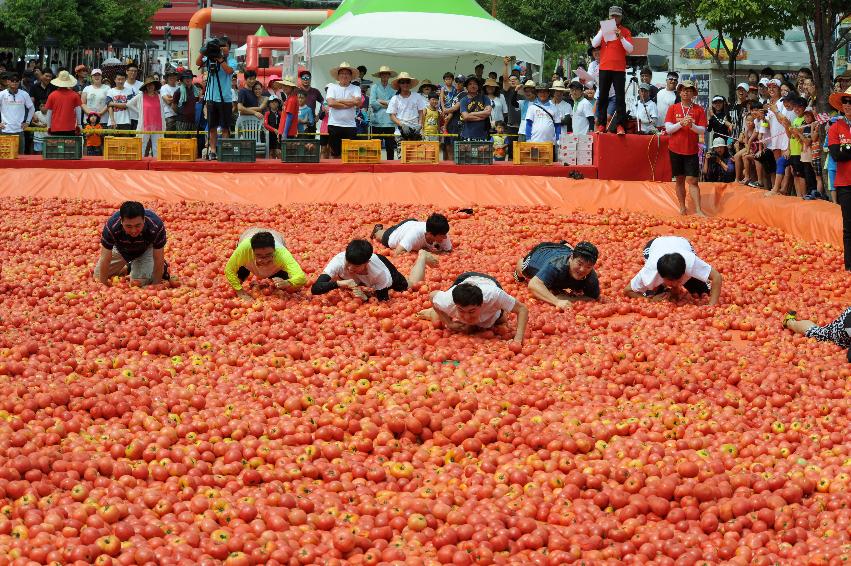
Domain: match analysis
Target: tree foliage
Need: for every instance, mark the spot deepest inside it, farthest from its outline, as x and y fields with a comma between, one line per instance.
x=821, y=20
x=78, y=23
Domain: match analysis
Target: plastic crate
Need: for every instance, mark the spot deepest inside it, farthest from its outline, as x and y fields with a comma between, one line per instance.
x=361, y=151
x=421, y=152
x=9, y=146
x=233, y=150
x=122, y=148
x=533, y=153
x=177, y=149
x=300, y=150
x=473, y=152
x=62, y=147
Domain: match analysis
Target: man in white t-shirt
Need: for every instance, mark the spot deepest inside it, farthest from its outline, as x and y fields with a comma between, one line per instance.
x=116, y=100
x=671, y=270
x=564, y=107
x=412, y=235
x=406, y=109
x=666, y=98
x=582, y=112
x=475, y=301
x=543, y=121
x=167, y=93
x=16, y=111
x=343, y=100
x=136, y=87
x=777, y=142
x=366, y=273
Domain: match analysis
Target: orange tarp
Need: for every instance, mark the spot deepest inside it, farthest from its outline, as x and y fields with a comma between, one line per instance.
x=812, y=221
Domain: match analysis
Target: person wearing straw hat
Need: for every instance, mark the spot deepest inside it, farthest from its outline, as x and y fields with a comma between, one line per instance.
x=613, y=55
x=685, y=123
x=426, y=88
x=290, y=125
x=150, y=107
x=380, y=95
x=406, y=109
x=64, y=107
x=344, y=99
x=563, y=106
x=839, y=146
x=498, y=103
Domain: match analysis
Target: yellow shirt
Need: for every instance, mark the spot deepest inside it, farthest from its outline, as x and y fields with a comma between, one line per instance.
x=432, y=122
x=282, y=259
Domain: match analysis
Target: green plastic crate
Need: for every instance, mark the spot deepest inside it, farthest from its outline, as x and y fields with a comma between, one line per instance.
x=232, y=150
x=63, y=147
x=473, y=152
x=300, y=150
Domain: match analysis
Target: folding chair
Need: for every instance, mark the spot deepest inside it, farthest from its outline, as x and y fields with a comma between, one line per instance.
x=251, y=128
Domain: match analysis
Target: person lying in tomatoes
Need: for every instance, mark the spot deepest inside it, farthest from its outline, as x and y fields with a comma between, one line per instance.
x=263, y=253
x=672, y=270
x=838, y=331
x=366, y=273
x=559, y=274
x=412, y=235
x=475, y=301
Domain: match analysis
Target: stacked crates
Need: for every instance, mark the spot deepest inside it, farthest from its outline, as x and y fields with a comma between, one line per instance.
x=473, y=152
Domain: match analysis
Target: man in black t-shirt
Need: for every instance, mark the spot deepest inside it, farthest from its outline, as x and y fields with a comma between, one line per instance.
x=558, y=274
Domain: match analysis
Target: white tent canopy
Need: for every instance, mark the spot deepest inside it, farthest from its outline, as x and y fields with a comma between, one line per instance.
x=426, y=40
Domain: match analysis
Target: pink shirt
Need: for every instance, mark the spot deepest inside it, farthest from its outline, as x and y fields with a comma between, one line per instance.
x=151, y=111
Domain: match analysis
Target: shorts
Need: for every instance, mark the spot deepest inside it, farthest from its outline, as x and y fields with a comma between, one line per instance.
x=386, y=237
x=781, y=163
x=219, y=115
x=834, y=332
x=766, y=159
x=693, y=286
x=398, y=281
x=140, y=268
x=467, y=274
x=797, y=165
x=243, y=274
x=684, y=165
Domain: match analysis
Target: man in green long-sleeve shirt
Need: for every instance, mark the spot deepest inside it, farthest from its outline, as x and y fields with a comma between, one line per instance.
x=262, y=252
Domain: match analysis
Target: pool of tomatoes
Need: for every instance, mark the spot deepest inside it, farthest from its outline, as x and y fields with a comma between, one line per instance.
x=180, y=425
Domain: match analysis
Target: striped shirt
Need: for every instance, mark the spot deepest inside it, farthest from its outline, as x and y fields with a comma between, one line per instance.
x=153, y=235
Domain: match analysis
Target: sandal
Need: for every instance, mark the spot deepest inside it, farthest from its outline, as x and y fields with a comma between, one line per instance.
x=791, y=315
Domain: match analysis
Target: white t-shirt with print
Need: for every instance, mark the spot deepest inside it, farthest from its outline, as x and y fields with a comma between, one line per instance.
x=407, y=109
x=581, y=111
x=377, y=275
x=411, y=236
x=494, y=302
x=136, y=88
x=123, y=96
x=648, y=278
x=96, y=97
x=342, y=117
x=168, y=90
x=544, y=117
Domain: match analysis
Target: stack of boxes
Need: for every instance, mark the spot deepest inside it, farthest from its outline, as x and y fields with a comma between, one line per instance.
x=576, y=149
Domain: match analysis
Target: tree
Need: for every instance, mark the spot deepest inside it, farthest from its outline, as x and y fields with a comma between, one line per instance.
x=733, y=21
x=77, y=23
x=821, y=22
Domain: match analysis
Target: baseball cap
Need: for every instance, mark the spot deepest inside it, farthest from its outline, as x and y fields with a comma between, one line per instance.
x=645, y=86
x=718, y=98
x=96, y=72
x=460, y=78
x=616, y=11
x=774, y=82
x=587, y=250
x=743, y=86
x=305, y=75
x=763, y=82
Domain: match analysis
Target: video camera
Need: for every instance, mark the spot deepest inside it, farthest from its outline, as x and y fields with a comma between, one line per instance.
x=212, y=48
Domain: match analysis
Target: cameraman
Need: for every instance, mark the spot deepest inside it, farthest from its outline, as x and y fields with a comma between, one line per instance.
x=718, y=166
x=216, y=60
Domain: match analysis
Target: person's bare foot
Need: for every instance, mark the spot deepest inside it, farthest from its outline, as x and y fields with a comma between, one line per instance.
x=375, y=230
x=683, y=212
x=429, y=258
x=701, y=213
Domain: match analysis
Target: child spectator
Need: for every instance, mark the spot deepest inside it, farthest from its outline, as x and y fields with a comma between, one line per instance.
x=743, y=158
x=431, y=118
x=39, y=121
x=275, y=126
x=306, y=121
x=94, y=137
x=500, y=142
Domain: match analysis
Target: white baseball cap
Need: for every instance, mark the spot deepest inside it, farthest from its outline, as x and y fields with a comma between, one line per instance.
x=743, y=86
x=763, y=82
x=775, y=82
x=96, y=72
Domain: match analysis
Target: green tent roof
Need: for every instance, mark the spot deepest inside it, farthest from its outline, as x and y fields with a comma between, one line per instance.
x=452, y=7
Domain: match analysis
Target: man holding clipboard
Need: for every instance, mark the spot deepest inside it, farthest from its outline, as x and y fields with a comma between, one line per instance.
x=615, y=42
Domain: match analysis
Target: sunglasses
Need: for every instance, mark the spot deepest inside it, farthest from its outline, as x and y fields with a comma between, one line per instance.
x=404, y=82
x=846, y=100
